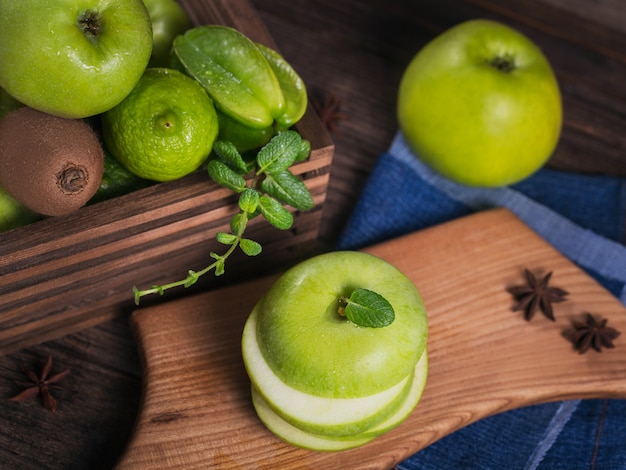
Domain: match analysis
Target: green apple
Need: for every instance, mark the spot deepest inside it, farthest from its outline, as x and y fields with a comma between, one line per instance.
x=73, y=58
x=168, y=21
x=481, y=105
x=320, y=373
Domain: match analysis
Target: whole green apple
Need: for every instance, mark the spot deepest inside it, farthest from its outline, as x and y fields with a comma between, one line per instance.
x=481, y=105
x=168, y=21
x=73, y=58
x=336, y=382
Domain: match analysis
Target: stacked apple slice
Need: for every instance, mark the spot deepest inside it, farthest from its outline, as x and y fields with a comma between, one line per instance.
x=319, y=380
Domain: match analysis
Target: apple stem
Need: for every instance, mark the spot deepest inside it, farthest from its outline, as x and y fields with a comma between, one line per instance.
x=89, y=23
x=341, y=309
x=503, y=64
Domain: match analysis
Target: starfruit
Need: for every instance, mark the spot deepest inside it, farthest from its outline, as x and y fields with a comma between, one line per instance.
x=253, y=87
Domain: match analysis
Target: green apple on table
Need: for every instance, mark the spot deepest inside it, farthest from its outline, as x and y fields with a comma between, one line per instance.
x=321, y=380
x=73, y=58
x=481, y=105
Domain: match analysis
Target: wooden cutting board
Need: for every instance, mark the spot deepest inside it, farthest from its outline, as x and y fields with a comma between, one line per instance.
x=484, y=358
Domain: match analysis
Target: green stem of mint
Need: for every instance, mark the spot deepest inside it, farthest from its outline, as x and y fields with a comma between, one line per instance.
x=193, y=276
x=266, y=197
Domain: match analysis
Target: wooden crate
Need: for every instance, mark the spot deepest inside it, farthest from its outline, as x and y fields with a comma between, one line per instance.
x=63, y=274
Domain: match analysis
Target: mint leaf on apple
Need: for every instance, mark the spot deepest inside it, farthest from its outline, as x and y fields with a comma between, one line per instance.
x=368, y=308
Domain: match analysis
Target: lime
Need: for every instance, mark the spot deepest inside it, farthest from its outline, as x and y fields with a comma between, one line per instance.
x=164, y=129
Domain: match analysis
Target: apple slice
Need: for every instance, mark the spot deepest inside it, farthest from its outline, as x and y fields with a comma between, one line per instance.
x=410, y=402
x=312, y=441
x=323, y=415
x=296, y=436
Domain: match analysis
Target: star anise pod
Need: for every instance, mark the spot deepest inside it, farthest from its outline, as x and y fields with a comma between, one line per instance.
x=536, y=295
x=593, y=333
x=329, y=111
x=42, y=385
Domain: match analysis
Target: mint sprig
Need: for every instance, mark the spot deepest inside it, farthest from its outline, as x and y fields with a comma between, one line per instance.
x=271, y=187
x=367, y=308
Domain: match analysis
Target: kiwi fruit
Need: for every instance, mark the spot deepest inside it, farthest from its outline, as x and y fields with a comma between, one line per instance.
x=52, y=165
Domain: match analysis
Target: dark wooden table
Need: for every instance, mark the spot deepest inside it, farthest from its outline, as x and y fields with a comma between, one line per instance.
x=357, y=51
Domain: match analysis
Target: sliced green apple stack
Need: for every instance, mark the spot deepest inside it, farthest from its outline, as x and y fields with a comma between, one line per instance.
x=320, y=380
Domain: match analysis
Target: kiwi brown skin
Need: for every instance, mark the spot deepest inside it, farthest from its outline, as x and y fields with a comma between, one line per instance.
x=50, y=164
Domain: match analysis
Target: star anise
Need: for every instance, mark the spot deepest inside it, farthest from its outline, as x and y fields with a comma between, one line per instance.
x=593, y=333
x=42, y=385
x=536, y=295
x=328, y=111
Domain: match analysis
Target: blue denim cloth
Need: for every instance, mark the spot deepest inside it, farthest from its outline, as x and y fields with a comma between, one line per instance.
x=581, y=215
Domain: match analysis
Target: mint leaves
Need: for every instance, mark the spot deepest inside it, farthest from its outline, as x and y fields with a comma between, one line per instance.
x=271, y=187
x=367, y=308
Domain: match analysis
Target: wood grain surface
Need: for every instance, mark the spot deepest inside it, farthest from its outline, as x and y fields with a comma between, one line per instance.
x=357, y=51
x=484, y=359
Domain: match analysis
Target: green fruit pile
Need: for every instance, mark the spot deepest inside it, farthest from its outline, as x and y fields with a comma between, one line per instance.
x=256, y=92
x=98, y=68
x=321, y=381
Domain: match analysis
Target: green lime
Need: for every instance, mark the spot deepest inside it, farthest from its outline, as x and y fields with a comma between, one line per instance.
x=164, y=129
